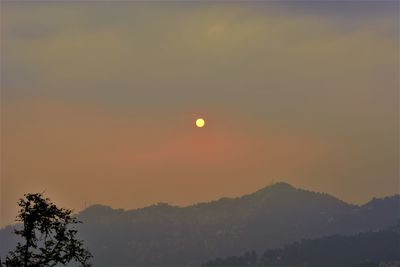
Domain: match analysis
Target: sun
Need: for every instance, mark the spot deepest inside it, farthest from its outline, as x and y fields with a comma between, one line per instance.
x=200, y=122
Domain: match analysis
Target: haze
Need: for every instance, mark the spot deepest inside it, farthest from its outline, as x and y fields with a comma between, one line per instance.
x=98, y=100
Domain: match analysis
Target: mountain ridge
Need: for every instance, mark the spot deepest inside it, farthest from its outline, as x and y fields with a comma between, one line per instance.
x=166, y=235
x=267, y=189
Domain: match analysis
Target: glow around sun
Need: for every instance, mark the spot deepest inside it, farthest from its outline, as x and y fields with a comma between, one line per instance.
x=200, y=122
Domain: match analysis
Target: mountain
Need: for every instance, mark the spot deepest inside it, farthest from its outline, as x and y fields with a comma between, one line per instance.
x=363, y=249
x=165, y=235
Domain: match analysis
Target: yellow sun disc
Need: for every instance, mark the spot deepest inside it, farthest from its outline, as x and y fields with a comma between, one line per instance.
x=200, y=122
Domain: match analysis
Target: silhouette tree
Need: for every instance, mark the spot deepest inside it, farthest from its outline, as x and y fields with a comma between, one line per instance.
x=49, y=235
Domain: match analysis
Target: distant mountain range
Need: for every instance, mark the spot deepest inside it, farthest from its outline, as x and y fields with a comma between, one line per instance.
x=164, y=235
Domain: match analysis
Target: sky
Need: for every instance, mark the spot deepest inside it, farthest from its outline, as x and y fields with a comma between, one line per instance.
x=99, y=100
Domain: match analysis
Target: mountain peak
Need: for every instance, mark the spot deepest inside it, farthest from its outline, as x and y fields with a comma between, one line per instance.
x=99, y=210
x=281, y=185
x=278, y=186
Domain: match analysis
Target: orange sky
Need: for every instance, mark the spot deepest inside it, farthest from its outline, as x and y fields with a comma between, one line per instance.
x=98, y=101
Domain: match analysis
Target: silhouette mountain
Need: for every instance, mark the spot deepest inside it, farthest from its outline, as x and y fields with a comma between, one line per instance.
x=363, y=249
x=165, y=235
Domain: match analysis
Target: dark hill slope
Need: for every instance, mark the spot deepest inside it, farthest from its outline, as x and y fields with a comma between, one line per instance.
x=271, y=217
x=363, y=249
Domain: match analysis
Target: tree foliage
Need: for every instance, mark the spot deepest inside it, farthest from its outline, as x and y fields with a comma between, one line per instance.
x=48, y=234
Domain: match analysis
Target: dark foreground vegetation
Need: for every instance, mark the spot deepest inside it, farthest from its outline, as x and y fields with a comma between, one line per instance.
x=47, y=236
x=364, y=249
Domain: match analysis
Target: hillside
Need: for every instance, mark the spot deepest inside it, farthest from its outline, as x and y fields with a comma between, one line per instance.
x=363, y=249
x=164, y=235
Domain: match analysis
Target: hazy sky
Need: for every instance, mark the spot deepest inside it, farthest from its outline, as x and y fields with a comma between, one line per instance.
x=98, y=100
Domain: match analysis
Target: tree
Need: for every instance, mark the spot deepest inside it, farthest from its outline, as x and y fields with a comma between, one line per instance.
x=49, y=235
